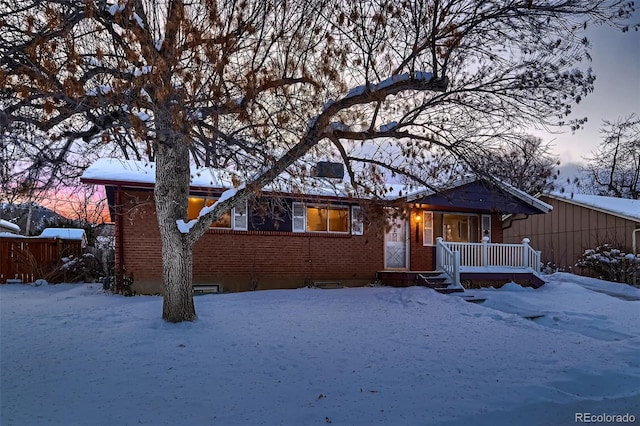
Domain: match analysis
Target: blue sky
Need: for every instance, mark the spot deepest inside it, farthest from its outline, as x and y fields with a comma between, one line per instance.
x=616, y=63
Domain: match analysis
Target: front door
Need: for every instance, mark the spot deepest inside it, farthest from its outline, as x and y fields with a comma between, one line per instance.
x=396, y=242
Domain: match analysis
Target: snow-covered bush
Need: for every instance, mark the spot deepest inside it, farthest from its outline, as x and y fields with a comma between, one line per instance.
x=610, y=263
x=75, y=269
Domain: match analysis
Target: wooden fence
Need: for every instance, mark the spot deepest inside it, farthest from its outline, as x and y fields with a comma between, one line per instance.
x=29, y=259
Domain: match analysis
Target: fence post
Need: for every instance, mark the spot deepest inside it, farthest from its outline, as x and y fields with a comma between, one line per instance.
x=525, y=252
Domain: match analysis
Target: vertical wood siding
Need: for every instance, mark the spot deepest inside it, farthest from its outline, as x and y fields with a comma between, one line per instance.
x=564, y=233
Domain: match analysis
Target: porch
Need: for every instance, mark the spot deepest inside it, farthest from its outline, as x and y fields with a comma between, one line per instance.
x=460, y=265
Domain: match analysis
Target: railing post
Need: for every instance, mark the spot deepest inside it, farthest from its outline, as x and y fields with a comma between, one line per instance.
x=485, y=251
x=438, y=252
x=456, y=268
x=525, y=252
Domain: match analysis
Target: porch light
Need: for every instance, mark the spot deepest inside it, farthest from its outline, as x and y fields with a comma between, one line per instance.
x=418, y=217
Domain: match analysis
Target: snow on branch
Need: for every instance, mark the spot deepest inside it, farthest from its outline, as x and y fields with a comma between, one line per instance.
x=419, y=76
x=185, y=227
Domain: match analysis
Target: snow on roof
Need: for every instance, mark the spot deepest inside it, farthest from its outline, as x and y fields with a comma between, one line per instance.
x=132, y=171
x=9, y=226
x=10, y=235
x=143, y=172
x=65, y=233
x=623, y=207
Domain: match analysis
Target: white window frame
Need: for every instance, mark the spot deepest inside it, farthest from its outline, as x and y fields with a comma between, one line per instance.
x=427, y=225
x=482, y=227
x=357, y=222
x=298, y=216
x=240, y=217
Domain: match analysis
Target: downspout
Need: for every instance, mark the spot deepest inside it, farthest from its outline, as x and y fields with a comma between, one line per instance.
x=119, y=237
x=634, y=246
x=515, y=219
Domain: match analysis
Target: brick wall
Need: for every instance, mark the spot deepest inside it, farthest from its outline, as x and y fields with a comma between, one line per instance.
x=245, y=260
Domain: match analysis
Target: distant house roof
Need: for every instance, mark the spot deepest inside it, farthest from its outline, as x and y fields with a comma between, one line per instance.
x=65, y=233
x=9, y=227
x=621, y=207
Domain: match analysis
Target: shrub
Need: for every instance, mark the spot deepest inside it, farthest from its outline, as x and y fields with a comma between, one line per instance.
x=610, y=263
x=111, y=284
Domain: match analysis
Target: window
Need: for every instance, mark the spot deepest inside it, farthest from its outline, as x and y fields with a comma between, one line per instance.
x=239, y=213
x=357, y=220
x=460, y=228
x=240, y=219
x=298, y=217
x=320, y=218
x=486, y=226
x=427, y=234
x=453, y=227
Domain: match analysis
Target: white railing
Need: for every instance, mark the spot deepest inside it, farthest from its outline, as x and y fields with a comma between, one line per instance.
x=448, y=261
x=487, y=254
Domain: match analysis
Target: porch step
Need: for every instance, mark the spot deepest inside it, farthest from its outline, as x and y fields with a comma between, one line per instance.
x=433, y=280
x=438, y=282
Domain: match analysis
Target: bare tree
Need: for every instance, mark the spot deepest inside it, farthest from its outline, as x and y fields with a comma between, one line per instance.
x=264, y=86
x=527, y=164
x=614, y=168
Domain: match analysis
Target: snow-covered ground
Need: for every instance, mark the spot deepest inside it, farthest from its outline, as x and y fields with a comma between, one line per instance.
x=72, y=355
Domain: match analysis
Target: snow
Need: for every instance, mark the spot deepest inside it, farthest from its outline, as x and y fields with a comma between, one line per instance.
x=115, y=8
x=6, y=225
x=71, y=354
x=100, y=90
x=139, y=71
x=138, y=20
x=143, y=116
x=65, y=233
x=624, y=207
x=132, y=171
x=143, y=172
x=389, y=126
x=10, y=235
x=185, y=227
x=419, y=75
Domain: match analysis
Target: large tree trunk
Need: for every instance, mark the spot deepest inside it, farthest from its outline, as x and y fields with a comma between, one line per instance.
x=171, y=194
x=177, y=275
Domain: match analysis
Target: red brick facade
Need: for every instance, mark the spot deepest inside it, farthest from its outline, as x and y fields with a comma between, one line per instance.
x=246, y=260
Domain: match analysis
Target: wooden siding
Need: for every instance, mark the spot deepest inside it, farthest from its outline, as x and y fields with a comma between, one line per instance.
x=29, y=259
x=563, y=234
